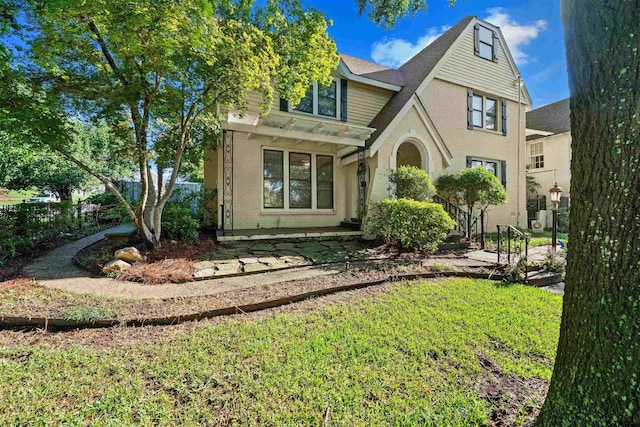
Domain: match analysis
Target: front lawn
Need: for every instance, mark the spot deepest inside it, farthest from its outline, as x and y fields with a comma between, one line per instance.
x=448, y=352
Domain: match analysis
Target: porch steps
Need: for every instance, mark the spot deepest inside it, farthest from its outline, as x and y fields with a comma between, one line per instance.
x=354, y=224
x=542, y=278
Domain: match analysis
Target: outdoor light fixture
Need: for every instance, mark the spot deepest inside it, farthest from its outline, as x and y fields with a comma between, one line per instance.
x=555, y=193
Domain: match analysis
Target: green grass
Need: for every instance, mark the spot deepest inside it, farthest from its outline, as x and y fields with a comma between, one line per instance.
x=409, y=357
x=17, y=196
x=536, y=239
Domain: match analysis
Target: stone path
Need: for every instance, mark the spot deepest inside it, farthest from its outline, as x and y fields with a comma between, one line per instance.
x=56, y=269
x=260, y=256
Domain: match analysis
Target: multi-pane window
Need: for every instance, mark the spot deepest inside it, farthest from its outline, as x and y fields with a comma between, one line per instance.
x=484, y=43
x=324, y=178
x=321, y=100
x=490, y=165
x=484, y=112
x=299, y=181
x=536, y=155
x=490, y=114
x=477, y=111
x=306, y=104
x=273, y=173
x=294, y=180
x=327, y=100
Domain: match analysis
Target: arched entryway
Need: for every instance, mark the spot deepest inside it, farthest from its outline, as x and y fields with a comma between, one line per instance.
x=408, y=155
x=411, y=150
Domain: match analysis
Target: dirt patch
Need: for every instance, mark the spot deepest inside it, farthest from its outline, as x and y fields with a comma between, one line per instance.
x=516, y=400
x=118, y=337
x=17, y=284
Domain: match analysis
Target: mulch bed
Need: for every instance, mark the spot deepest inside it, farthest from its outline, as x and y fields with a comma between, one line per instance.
x=173, y=262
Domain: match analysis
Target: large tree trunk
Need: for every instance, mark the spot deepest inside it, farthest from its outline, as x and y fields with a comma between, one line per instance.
x=597, y=371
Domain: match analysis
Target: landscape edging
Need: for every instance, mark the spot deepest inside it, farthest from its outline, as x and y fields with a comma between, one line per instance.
x=7, y=322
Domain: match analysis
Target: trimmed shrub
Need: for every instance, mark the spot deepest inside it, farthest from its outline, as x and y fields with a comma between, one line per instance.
x=413, y=183
x=178, y=224
x=410, y=224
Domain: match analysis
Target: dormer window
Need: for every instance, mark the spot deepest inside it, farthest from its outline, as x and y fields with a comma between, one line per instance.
x=486, y=43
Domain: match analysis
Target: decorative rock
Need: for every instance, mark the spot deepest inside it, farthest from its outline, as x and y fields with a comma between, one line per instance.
x=117, y=265
x=293, y=259
x=130, y=254
x=249, y=260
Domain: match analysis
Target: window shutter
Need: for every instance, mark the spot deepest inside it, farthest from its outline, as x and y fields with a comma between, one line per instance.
x=504, y=117
x=284, y=105
x=469, y=109
x=495, y=46
x=343, y=100
x=476, y=38
x=468, y=161
x=503, y=173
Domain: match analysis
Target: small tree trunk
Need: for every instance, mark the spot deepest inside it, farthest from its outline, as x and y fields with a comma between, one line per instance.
x=596, y=378
x=65, y=193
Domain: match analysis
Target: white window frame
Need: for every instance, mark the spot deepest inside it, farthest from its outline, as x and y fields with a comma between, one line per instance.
x=314, y=182
x=536, y=154
x=484, y=161
x=498, y=115
x=315, y=102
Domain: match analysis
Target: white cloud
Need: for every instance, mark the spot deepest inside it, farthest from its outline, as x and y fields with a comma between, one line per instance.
x=395, y=52
x=516, y=35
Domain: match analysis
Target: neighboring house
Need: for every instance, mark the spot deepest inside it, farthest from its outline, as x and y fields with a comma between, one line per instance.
x=548, y=155
x=460, y=102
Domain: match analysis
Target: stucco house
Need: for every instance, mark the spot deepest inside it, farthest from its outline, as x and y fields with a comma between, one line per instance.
x=548, y=156
x=460, y=102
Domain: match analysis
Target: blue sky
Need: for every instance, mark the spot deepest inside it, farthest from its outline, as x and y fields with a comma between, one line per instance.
x=533, y=30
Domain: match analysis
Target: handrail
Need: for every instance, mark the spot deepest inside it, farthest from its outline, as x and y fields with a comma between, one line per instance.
x=518, y=237
x=465, y=224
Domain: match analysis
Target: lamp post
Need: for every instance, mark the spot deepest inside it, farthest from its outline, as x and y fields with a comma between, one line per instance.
x=555, y=193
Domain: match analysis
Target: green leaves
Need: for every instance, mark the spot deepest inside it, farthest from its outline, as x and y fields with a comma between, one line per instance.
x=413, y=183
x=471, y=186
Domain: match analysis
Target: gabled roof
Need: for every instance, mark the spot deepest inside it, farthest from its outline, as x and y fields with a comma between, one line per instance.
x=554, y=118
x=371, y=70
x=414, y=73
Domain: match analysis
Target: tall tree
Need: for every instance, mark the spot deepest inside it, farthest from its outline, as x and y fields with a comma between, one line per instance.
x=596, y=379
x=387, y=12
x=165, y=71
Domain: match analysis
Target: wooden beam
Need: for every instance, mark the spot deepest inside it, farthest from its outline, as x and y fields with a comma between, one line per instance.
x=290, y=124
x=294, y=134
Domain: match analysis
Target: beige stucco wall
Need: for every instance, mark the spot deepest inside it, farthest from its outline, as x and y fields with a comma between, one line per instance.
x=557, y=161
x=248, y=212
x=446, y=104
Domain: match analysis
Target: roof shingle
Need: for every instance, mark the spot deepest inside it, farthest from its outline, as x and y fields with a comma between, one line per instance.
x=554, y=118
x=414, y=71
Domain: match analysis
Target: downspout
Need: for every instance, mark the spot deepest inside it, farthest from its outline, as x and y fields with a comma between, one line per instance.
x=519, y=144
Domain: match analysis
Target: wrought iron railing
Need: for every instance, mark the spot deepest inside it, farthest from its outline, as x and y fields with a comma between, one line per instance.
x=513, y=245
x=470, y=226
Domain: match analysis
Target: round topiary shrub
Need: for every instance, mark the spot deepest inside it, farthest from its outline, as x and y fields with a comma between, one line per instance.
x=413, y=183
x=410, y=224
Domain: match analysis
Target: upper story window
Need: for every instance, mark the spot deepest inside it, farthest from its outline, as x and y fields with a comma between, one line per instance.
x=321, y=100
x=482, y=112
x=536, y=155
x=485, y=43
